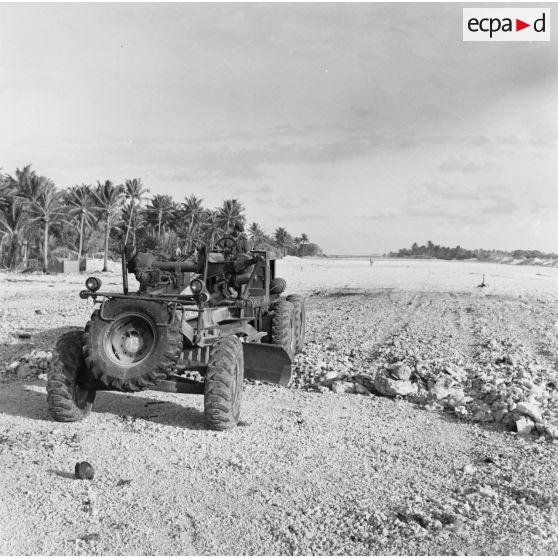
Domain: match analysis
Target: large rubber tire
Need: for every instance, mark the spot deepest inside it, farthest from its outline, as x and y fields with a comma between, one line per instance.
x=300, y=319
x=135, y=349
x=277, y=286
x=283, y=326
x=223, y=383
x=67, y=401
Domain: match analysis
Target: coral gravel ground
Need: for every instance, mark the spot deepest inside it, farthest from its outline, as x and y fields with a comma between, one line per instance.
x=309, y=470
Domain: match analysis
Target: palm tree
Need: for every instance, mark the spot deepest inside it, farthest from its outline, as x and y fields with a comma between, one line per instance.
x=40, y=198
x=257, y=236
x=208, y=230
x=26, y=185
x=303, y=240
x=21, y=183
x=47, y=207
x=230, y=214
x=173, y=222
x=129, y=218
x=6, y=193
x=297, y=242
x=159, y=210
x=82, y=206
x=192, y=209
x=110, y=199
x=135, y=192
x=282, y=238
x=13, y=222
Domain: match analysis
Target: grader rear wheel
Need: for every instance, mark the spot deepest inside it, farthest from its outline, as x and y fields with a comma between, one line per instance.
x=283, y=328
x=300, y=320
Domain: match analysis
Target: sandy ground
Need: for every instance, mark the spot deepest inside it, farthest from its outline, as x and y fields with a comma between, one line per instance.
x=307, y=275
x=306, y=472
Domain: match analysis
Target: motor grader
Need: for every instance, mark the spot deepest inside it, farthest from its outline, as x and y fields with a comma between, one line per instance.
x=201, y=324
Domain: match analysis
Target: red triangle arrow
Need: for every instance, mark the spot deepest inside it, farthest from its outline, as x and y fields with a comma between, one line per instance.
x=519, y=25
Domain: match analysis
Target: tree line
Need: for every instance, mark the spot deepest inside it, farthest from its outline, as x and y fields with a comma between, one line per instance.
x=39, y=220
x=431, y=250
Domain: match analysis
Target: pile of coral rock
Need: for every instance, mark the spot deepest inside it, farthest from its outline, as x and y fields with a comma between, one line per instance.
x=502, y=385
x=32, y=363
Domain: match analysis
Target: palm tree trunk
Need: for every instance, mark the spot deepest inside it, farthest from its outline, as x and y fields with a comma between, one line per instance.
x=107, y=234
x=159, y=227
x=190, y=229
x=25, y=254
x=12, y=254
x=80, y=239
x=45, y=253
x=129, y=223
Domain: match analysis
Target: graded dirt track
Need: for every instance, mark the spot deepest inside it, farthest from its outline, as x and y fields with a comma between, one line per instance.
x=306, y=472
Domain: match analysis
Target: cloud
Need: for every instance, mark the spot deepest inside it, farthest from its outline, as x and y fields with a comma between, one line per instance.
x=256, y=189
x=280, y=202
x=300, y=218
x=453, y=191
x=468, y=203
x=426, y=211
x=381, y=217
x=230, y=154
x=500, y=205
x=171, y=175
x=460, y=164
x=465, y=215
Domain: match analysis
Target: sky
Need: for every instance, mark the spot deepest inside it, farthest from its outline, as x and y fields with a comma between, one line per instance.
x=367, y=126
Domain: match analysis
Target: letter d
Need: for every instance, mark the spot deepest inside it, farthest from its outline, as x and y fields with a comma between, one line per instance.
x=542, y=21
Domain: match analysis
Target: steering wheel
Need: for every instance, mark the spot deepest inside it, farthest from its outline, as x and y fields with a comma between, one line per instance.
x=226, y=243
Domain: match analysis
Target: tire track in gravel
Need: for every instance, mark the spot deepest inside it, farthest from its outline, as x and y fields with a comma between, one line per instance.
x=358, y=324
x=525, y=328
x=377, y=313
x=404, y=306
x=434, y=327
x=464, y=316
x=538, y=328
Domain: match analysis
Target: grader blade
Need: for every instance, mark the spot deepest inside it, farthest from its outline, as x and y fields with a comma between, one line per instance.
x=266, y=363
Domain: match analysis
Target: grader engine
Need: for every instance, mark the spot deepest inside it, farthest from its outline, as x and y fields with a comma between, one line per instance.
x=221, y=314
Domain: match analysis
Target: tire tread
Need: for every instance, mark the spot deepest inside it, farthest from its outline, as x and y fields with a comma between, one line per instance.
x=63, y=375
x=221, y=402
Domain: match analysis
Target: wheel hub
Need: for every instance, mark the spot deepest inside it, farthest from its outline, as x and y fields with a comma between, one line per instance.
x=131, y=343
x=130, y=339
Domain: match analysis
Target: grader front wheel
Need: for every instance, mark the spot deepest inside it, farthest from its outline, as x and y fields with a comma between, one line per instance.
x=67, y=400
x=223, y=384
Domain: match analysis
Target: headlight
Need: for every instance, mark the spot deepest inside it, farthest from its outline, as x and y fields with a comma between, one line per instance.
x=203, y=297
x=196, y=285
x=93, y=284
